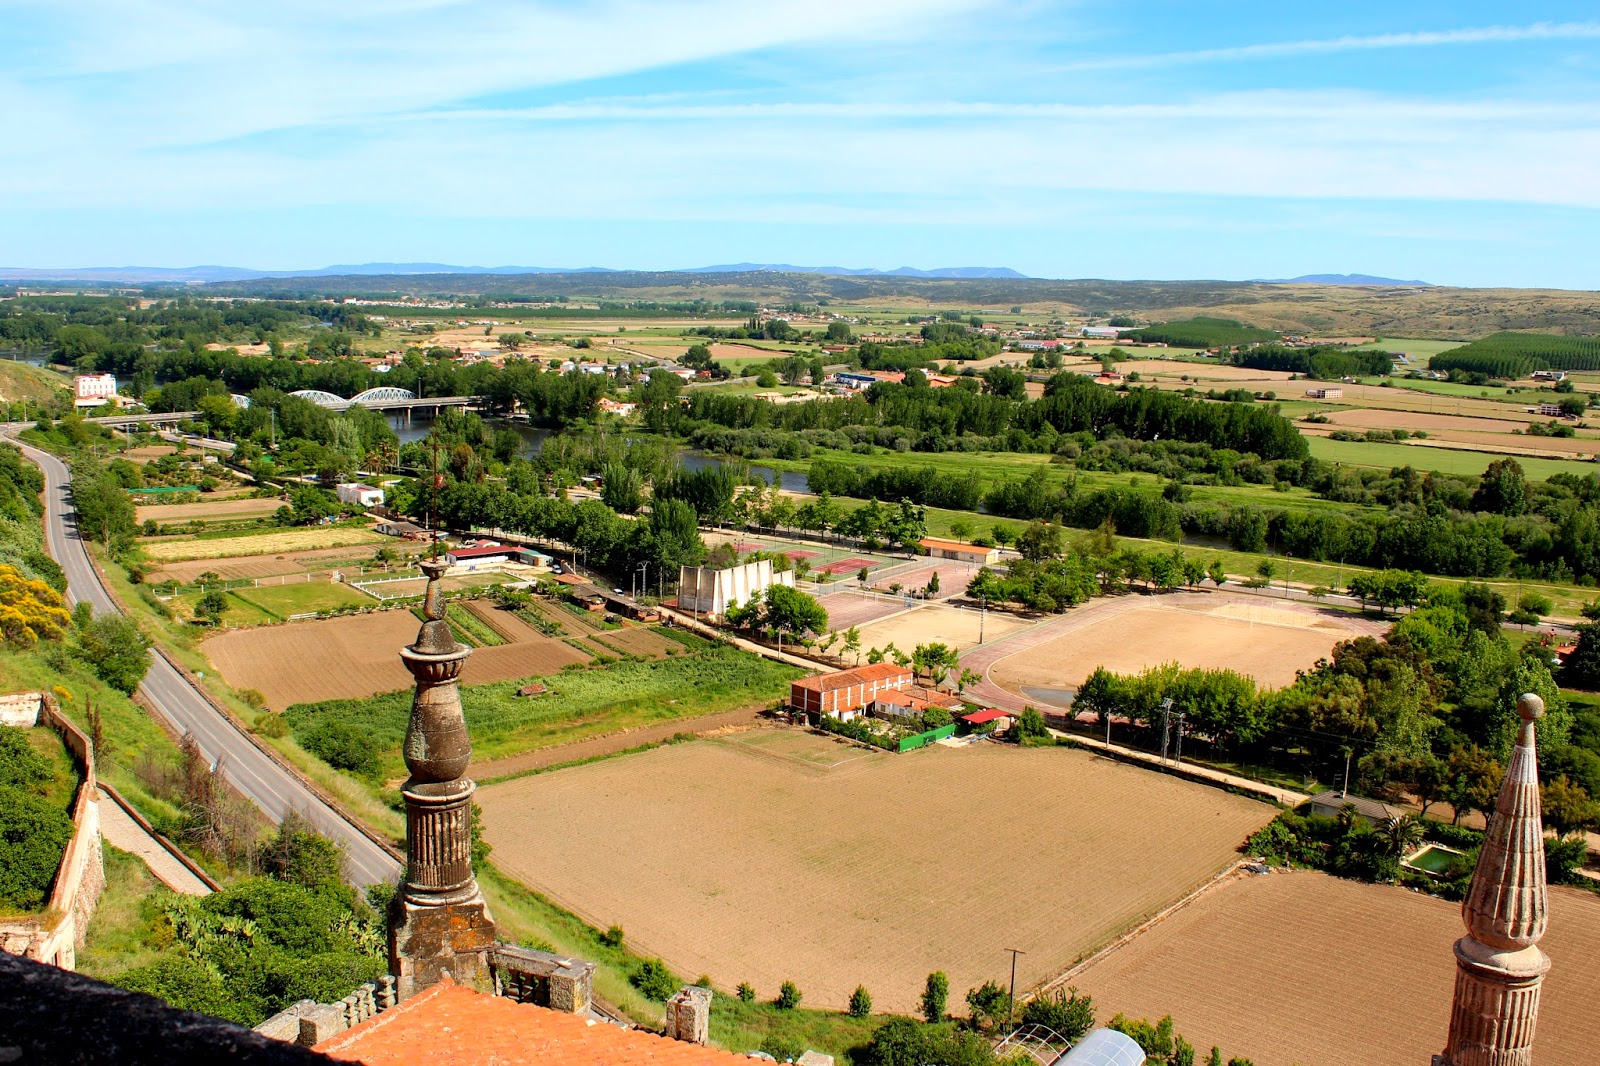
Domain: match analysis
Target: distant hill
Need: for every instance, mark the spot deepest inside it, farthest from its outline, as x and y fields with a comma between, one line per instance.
x=199, y=275
x=1343, y=279
x=860, y=272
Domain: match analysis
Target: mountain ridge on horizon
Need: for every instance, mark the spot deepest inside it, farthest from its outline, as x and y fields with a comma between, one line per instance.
x=210, y=274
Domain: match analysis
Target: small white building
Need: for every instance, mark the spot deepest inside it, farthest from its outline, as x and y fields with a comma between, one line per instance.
x=708, y=592
x=360, y=495
x=94, y=390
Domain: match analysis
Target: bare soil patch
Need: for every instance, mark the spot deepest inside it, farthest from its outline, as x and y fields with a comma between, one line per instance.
x=1369, y=418
x=763, y=866
x=1268, y=643
x=1255, y=968
x=635, y=641
x=240, y=508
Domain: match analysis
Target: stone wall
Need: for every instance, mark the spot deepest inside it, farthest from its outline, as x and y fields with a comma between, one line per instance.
x=55, y=935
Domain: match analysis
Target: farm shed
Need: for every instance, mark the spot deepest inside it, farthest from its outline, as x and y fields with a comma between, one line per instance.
x=1329, y=803
x=846, y=693
x=939, y=548
x=1002, y=719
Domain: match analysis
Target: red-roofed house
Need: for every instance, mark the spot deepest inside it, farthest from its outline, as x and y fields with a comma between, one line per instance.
x=846, y=693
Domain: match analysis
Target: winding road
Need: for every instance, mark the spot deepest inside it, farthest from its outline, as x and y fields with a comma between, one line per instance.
x=270, y=786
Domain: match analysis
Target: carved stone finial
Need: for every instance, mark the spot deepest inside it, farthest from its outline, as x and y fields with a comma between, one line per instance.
x=1499, y=967
x=438, y=923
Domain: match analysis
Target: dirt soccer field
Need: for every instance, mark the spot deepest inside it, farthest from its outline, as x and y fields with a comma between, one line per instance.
x=1255, y=968
x=940, y=623
x=1266, y=641
x=807, y=859
x=358, y=656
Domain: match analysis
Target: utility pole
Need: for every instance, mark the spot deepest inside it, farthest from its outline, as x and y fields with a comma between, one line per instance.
x=1344, y=789
x=1177, y=758
x=983, y=612
x=1011, y=1004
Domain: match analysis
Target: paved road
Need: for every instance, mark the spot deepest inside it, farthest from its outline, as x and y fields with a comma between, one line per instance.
x=264, y=782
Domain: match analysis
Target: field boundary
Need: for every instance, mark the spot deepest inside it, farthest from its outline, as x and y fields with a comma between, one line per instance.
x=1233, y=872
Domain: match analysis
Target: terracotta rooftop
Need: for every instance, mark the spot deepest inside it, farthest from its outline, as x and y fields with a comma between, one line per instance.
x=845, y=678
x=450, y=1025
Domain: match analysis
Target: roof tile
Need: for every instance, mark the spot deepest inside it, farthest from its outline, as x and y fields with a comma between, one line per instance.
x=449, y=1025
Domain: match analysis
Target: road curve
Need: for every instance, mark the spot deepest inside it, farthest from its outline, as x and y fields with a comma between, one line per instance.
x=263, y=781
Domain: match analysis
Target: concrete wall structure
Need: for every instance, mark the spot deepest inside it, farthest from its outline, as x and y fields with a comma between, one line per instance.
x=708, y=593
x=55, y=935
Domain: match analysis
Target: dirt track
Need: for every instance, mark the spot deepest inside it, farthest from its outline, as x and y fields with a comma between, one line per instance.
x=1310, y=969
x=766, y=866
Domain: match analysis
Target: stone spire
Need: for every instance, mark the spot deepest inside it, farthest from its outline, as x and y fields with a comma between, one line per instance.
x=1499, y=966
x=438, y=923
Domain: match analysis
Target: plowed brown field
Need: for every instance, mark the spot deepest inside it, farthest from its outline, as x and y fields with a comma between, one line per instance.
x=358, y=656
x=1310, y=969
x=769, y=866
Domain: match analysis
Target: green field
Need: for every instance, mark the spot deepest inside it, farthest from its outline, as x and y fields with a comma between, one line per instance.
x=1444, y=460
x=582, y=703
x=303, y=597
x=1419, y=349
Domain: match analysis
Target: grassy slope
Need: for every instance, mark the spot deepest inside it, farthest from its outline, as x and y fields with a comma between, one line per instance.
x=119, y=933
x=22, y=381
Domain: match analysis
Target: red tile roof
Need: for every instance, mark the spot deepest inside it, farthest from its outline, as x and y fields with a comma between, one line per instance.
x=449, y=1025
x=989, y=715
x=846, y=678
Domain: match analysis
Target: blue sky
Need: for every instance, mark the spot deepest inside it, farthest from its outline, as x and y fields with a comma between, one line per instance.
x=1458, y=143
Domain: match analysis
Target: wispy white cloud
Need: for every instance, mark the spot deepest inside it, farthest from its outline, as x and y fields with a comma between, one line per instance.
x=1538, y=31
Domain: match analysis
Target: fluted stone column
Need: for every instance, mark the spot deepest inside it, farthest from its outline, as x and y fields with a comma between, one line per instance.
x=1499, y=966
x=438, y=923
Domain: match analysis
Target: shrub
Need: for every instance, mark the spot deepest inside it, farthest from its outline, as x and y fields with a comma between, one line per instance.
x=860, y=1002
x=1066, y=1012
x=654, y=980
x=934, y=994
x=343, y=747
x=746, y=993
x=788, y=996
x=782, y=1048
x=612, y=937
x=33, y=832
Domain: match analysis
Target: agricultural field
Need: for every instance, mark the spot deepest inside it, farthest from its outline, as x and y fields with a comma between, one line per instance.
x=1334, y=972
x=208, y=509
x=286, y=566
x=756, y=859
x=1262, y=639
x=358, y=656
x=181, y=549
x=703, y=679
x=1444, y=460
